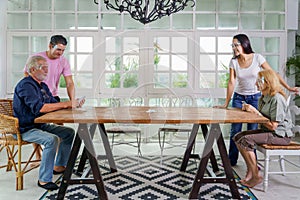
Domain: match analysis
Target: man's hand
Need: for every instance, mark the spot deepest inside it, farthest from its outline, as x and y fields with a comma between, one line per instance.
x=77, y=103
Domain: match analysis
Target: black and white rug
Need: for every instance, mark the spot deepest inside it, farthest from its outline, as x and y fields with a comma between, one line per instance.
x=150, y=178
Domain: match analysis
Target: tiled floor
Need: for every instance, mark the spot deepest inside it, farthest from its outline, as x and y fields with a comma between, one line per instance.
x=280, y=187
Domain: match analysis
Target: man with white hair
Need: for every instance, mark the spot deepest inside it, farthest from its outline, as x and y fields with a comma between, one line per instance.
x=32, y=98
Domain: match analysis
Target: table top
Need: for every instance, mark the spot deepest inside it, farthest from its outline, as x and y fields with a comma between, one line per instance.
x=150, y=115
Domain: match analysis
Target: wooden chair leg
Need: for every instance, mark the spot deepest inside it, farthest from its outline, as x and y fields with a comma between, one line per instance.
x=282, y=165
x=19, y=180
x=266, y=172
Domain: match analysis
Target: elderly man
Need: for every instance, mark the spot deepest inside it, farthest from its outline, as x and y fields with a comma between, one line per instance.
x=32, y=98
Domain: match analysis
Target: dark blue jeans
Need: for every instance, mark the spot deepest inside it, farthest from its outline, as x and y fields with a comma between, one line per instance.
x=236, y=128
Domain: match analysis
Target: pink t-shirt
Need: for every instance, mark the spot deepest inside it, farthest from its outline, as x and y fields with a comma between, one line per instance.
x=56, y=68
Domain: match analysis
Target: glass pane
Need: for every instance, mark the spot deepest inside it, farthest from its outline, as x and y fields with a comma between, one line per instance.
x=274, y=21
x=87, y=21
x=189, y=7
x=253, y=5
x=161, y=80
x=103, y=7
x=179, y=63
x=17, y=21
x=179, y=45
x=130, y=63
x=39, y=43
x=71, y=59
x=228, y=21
x=65, y=21
x=207, y=80
x=17, y=5
x=228, y=5
x=163, y=23
x=207, y=44
x=207, y=62
x=20, y=44
x=130, y=80
x=205, y=21
x=204, y=102
x=256, y=44
x=272, y=45
x=72, y=44
x=64, y=5
x=223, y=80
x=41, y=5
x=113, y=45
x=162, y=44
x=180, y=80
x=110, y=21
x=163, y=63
x=84, y=5
x=112, y=63
x=269, y=5
x=224, y=44
x=38, y=21
x=205, y=5
x=84, y=80
x=84, y=63
x=131, y=45
x=84, y=44
x=182, y=21
x=18, y=62
x=251, y=21
x=16, y=77
x=130, y=23
x=274, y=62
x=112, y=80
x=223, y=62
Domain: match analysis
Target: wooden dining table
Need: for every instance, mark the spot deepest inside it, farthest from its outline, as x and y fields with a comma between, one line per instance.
x=89, y=118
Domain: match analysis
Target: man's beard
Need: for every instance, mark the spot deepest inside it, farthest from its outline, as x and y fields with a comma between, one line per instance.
x=41, y=77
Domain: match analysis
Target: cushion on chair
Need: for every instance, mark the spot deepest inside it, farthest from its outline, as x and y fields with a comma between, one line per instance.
x=291, y=146
x=123, y=129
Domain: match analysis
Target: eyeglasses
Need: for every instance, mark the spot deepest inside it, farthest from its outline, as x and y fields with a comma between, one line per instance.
x=45, y=95
x=43, y=67
x=260, y=81
x=235, y=45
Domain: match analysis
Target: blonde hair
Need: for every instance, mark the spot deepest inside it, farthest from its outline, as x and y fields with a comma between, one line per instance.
x=271, y=83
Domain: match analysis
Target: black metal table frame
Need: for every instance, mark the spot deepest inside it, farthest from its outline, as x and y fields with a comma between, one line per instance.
x=86, y=134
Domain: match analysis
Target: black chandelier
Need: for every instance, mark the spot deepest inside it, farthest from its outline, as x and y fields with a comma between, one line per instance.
x=140, y=9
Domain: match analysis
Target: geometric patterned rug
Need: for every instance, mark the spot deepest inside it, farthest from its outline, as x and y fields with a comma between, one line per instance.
x=150, y=178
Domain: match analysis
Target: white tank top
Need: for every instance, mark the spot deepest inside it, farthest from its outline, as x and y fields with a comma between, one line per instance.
x=246, y=77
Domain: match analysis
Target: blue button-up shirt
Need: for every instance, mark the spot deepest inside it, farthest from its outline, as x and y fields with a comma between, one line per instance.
x=29, y=98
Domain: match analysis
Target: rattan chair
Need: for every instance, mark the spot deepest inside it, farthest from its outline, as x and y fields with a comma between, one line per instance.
x=9, y=126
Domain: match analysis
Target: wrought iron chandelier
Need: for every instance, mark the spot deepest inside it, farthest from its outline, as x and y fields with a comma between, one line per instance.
x=140, y=9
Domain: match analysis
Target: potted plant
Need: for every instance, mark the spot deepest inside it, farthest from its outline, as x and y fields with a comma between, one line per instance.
x=293, y=67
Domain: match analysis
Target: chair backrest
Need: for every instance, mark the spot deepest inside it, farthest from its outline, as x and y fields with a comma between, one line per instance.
x=9, y=124
x=179, y=101
x=6, y=107
x=135, y=101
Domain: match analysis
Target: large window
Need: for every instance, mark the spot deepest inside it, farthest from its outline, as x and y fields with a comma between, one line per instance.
x=113, y=55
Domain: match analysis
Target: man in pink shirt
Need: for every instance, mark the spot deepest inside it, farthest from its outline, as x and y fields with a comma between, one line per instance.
x=58, y=65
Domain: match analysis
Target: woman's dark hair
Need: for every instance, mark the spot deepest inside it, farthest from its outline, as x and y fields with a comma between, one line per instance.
x=58, y=39
x=245, y=43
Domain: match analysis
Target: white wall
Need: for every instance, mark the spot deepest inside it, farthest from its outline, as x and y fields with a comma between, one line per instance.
x=3, y=6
